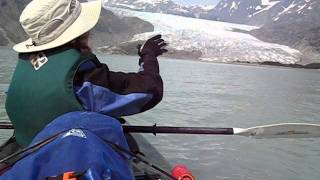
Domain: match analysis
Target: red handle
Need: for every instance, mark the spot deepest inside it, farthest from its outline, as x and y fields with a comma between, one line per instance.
x=181, y=172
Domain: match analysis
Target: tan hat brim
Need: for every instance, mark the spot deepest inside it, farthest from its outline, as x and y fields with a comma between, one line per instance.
x=88, y=18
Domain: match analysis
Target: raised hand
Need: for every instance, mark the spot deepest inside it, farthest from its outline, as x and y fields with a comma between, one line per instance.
x=153, y=46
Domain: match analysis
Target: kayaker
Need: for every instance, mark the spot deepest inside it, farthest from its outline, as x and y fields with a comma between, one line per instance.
x=57, y=73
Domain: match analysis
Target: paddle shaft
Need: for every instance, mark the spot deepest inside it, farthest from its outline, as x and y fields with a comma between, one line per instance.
x=283, y=130
x=160, y=129
x=177, y=130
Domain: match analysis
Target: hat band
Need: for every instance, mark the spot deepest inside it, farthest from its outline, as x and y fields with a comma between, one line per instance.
x=60, y=29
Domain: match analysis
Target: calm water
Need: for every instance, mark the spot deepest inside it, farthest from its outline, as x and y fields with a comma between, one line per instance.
x=220, y=95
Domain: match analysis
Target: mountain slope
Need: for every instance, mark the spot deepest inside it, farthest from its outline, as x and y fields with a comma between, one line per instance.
x=10, y=29
x=294, y=23
x=254, y=12
x=110, y=29
x=161, y=6
x=297, y=25
x=236, y=11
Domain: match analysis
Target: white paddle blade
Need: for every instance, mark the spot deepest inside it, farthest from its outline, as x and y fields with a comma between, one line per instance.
x=286, y=130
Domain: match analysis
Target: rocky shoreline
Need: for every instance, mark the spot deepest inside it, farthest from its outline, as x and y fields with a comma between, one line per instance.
x=307, y=66
x=129, y=48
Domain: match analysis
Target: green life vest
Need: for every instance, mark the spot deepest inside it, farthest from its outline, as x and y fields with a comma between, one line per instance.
x=36, y=97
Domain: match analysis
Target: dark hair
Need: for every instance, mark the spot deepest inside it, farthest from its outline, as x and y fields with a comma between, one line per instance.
x=81, y=43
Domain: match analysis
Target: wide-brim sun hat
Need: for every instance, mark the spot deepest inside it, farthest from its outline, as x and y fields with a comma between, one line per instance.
x=53, y=23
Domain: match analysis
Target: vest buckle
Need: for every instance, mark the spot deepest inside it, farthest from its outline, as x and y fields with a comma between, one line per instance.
x=39, y=60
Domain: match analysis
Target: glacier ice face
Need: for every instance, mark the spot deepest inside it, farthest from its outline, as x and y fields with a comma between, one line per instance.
x=217, y=41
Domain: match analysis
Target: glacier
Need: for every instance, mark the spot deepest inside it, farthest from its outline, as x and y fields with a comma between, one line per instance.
x=217, y=41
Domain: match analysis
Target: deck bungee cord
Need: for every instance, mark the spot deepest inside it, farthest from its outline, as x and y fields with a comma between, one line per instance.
x=25, y=152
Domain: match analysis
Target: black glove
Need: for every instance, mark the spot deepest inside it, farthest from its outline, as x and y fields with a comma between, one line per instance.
x=153, y=46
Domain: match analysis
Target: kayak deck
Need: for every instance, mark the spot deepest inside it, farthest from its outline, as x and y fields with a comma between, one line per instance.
x=153, y=156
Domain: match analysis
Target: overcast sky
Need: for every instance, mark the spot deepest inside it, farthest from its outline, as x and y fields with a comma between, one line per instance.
x=206, y=2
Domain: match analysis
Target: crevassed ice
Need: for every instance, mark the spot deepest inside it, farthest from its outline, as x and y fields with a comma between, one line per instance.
x=216, y=40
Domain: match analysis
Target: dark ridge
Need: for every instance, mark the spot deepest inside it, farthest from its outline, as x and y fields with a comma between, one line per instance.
x=307, y=66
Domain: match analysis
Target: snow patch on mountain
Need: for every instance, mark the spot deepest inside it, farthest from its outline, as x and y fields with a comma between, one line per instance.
x=204, y=7
x=234, y=5
x=288, y=9
x=267, y=7
x=154, y=2
x=266, y=2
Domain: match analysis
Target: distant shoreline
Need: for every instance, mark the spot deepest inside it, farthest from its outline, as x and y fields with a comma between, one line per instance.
x=266, y=63
x=257, y=64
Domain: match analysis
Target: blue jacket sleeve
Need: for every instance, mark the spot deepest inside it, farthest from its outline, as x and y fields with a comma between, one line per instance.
x=117, y=93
